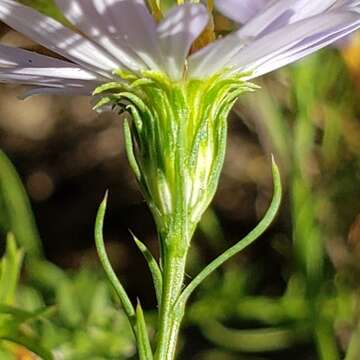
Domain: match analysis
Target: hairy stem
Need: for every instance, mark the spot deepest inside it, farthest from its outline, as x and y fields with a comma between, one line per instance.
x=174, y=263
x=170, y=316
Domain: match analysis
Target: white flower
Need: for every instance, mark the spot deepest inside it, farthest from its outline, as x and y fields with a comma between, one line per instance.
x=122, y=35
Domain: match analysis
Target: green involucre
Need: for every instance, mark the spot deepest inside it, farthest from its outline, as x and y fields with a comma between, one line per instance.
x=176, y=138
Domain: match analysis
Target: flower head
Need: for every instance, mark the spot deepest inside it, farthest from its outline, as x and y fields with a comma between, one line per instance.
x=113, y=35
x=163, y=68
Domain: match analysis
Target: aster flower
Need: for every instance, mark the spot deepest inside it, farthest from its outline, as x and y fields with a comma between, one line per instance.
x=178, y=86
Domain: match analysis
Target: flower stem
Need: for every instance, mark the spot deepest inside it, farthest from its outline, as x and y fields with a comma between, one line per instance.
x=170, y=316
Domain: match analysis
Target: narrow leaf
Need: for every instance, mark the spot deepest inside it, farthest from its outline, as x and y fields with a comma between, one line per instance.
x=143, y=342
x=105, y=262
x=153, y=266
x=242, y=244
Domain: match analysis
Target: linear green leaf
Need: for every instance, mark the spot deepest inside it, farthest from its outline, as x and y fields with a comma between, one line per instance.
x=105, y=262
x=153, y=266
x=242, y=244
x=143, y=342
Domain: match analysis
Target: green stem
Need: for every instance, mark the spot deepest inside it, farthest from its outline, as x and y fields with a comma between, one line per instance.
x=176, y=243
x=170, y=316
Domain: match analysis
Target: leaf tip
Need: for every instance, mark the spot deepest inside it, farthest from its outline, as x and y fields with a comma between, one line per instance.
x=275, y=168
x=105, y=198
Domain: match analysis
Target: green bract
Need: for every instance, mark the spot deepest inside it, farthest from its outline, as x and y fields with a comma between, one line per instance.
x=176, y=140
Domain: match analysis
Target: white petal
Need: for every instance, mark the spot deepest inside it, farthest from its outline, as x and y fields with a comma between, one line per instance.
x=48, y=81
x=208, y=60
x=298, y=53
x=240, y=11
x=136, y=26
x=176, y=33
x=84, y=91
x=346, y=4
x=275, y=15
x=19, y=60
x=238, y=47
x=293, y=38
x=91, y=17
x=26, y=67
x=52, y=73
x=282, y=13
x=56, y=37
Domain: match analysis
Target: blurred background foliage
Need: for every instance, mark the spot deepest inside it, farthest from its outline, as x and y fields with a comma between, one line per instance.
x=295, y=293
